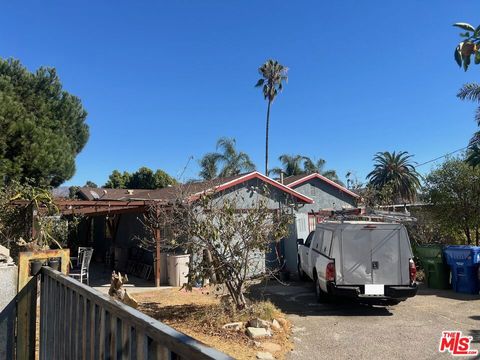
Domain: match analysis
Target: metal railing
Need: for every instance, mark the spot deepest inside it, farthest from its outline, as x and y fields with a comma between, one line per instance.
x=78, y=322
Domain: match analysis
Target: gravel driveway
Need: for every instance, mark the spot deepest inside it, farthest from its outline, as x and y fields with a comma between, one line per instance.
x=347, y=330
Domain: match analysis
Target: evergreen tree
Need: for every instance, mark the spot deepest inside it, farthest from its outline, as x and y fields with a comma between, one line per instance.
x=42, y=127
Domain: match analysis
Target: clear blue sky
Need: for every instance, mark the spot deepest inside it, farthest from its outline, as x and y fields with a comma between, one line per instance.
x=162, y=81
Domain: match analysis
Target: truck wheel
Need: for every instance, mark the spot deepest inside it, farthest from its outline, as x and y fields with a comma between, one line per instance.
x=301, y=274
x=392, y=302
x=319, y=293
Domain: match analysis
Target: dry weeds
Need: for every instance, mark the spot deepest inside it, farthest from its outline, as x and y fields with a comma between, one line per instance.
x=201, y=315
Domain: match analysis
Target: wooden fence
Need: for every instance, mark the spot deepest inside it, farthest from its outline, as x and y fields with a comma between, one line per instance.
x=78, y=322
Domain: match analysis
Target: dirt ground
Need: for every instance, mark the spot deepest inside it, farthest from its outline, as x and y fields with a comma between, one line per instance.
x=197, y=314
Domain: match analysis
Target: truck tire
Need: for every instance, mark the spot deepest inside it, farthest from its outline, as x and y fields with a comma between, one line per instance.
x=319, y=293
x=392, y=302
x=301, y=274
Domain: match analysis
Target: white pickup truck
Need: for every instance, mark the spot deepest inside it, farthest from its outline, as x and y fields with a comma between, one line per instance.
x=366, y=260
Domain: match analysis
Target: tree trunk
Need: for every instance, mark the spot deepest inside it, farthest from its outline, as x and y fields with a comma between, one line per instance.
x=469, y=237
x=266, y=137
x=236, y=294
x=211, y=268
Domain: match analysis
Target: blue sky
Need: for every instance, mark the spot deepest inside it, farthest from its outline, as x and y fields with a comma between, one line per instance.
x=162, y=81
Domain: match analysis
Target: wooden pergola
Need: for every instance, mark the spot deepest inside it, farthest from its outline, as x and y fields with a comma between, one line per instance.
x=111, y=207
x=92, y=208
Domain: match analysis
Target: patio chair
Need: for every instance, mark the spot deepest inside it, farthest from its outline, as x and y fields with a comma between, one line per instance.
x=82, y=272
x=76, y=261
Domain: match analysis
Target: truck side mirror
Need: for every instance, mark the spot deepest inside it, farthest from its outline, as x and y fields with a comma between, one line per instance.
x=300, y=241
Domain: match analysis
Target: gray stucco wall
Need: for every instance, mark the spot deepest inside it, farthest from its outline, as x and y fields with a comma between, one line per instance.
x=250, y=192
x=326, y=196
x=253, y=190
x=8, y=279
x=298, y=230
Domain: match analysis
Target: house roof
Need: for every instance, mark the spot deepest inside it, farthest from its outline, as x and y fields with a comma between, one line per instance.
x=193, y=189
x=296, y=180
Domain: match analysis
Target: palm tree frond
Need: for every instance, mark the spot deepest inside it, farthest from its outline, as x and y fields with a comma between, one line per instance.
x=470, y=91
x=395, y=170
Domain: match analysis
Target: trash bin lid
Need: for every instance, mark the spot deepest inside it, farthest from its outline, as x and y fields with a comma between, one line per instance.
x=429, y=251
x=462, y=252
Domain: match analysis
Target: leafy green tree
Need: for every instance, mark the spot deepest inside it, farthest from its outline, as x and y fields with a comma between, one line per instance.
x=397, y=171
x=30, y=219
x=143, y=178
x=91, y=184
x=117, y=180
x=273, y=75
x=470, y=45
x=42, y=127
x=162, y=179
x=453, y=190
x=209, y=166
x=229, y=236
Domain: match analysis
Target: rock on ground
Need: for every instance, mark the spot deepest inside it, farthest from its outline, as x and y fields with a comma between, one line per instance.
x=256, y=333
x=259, y=323
x=276, y=325
x=236, y=326
x=264, y=356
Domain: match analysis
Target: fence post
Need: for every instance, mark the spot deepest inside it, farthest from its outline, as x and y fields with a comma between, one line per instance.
x=27, y=320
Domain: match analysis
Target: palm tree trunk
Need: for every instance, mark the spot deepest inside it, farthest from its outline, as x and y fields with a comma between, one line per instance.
x=266, y=137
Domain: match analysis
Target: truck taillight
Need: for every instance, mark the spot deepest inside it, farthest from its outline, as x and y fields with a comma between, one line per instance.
x=413, y=271
x=330, y=272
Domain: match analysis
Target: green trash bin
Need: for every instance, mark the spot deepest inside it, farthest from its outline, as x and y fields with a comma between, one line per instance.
x=437, y=272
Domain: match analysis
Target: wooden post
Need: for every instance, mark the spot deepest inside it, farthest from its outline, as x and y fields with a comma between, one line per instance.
x=34, y=224
x=157, y=256
x=27, y=320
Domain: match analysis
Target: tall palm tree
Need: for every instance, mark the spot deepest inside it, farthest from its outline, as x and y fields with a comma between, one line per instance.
x=471, y=91
x=209, y=166
x=395, y=170
x=273, y=75
x=234, y=162
x=311, y=167
x=291, y=165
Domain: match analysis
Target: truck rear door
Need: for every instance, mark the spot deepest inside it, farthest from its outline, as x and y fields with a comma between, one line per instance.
x=356, y=257
x=370, y=255
x=385, y=244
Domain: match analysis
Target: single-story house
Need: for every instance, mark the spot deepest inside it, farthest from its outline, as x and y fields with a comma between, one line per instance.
x=116, y=237
x=327, y=195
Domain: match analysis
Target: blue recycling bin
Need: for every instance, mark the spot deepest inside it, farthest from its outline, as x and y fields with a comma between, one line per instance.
x=464, y=262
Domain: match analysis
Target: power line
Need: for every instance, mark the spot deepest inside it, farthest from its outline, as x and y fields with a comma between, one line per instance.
x=448, y=154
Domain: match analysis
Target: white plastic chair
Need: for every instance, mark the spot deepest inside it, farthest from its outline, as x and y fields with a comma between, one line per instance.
x=84, y=257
